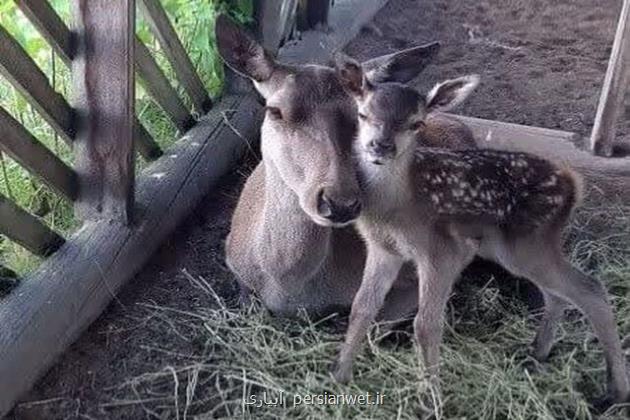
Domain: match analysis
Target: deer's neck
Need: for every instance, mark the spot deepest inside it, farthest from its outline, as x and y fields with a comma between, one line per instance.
x=387, y=186
x=289, y=240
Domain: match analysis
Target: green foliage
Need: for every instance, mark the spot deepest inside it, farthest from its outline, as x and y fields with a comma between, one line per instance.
x=194, y=23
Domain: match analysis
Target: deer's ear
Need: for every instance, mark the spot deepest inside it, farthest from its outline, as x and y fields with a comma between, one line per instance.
x=450, y=93
x=241, y=52
x=402, y=66
x=350, y=73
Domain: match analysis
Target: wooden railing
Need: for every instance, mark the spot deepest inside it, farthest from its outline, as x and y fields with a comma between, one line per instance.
x=103, y=53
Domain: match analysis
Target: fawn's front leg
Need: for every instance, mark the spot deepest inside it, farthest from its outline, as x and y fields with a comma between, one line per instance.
x=437, y=268
x=381, y=270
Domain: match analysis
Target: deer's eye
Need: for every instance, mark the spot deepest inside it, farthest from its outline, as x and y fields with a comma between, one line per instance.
x=362, y=116
x=274, y=112
x=415, y=126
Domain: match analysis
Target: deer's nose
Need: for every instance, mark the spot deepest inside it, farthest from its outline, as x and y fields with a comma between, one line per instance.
x=338, y=210
x=382, y=148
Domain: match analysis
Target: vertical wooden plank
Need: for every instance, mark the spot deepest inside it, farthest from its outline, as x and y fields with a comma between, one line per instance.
x=176, y=54
x=313, y=14
x=103, y=79
x=614, y=89
x=276, y=20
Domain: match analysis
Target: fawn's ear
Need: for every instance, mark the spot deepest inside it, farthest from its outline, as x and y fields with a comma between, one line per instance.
x=241, y=52
x=350, y=73
x=450, y=93
x=402, y=66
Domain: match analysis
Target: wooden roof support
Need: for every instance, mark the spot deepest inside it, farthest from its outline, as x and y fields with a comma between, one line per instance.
x=103, y=79
x=614, y=89
x=27, y=230
x=18, y=143
x=30, y=81
x=176, y=54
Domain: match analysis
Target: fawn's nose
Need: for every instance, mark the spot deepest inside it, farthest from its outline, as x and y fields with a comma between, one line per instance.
x=382, y=148
x=338, y=210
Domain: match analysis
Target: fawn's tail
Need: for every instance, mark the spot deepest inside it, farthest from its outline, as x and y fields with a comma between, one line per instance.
x=574, y=194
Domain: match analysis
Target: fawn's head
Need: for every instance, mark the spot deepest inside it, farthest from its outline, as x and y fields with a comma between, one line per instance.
x=310, y=120
x=391, y=114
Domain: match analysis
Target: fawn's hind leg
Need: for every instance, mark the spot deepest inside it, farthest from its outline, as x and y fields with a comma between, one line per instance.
x=548, y=268
x=554, y=310
x=381, y=270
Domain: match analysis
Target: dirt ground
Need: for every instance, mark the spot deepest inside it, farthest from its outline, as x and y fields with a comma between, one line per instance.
x=541, y=62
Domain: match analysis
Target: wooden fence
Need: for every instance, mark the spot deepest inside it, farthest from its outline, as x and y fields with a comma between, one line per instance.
x=103, y=54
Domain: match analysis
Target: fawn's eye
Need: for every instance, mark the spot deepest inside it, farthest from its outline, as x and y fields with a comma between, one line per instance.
x=417, y=125
x=362, y=116
x=274, y=112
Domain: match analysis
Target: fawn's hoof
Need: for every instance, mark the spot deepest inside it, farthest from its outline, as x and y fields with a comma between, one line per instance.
x=341, y=373
x=601, y=404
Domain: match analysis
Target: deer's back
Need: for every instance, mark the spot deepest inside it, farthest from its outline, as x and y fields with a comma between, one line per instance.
x=502, y=188
x=447, y=132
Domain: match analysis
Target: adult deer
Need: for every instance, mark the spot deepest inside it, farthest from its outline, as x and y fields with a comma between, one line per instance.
x=289, y=241
x=439, y=208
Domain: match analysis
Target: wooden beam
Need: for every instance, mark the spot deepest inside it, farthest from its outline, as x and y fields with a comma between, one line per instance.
x=614, y=89
x=30, y=81
x=156, y=83
x=174, y=50
x=47, y=21
x=103, y=79
x=26, y=229
x=24, y=148
x=50, y=308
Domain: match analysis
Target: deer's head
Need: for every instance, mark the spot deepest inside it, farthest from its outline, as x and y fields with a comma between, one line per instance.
x=310, y=120
x=391, y=114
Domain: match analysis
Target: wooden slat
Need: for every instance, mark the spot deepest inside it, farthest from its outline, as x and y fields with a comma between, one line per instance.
x=50, y=25
x=145, y=144
x=614, y=89
x=26, y=229
x=43, y=16
x=104, y=87
x=26, y=77
x=7, y=273
x=156, y=83
x=176, y=54
x=18, y=143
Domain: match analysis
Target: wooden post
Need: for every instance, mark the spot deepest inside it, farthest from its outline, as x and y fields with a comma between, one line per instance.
x=614, y=89
x=276, y=19
x=103, y=76
x=312, y=14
